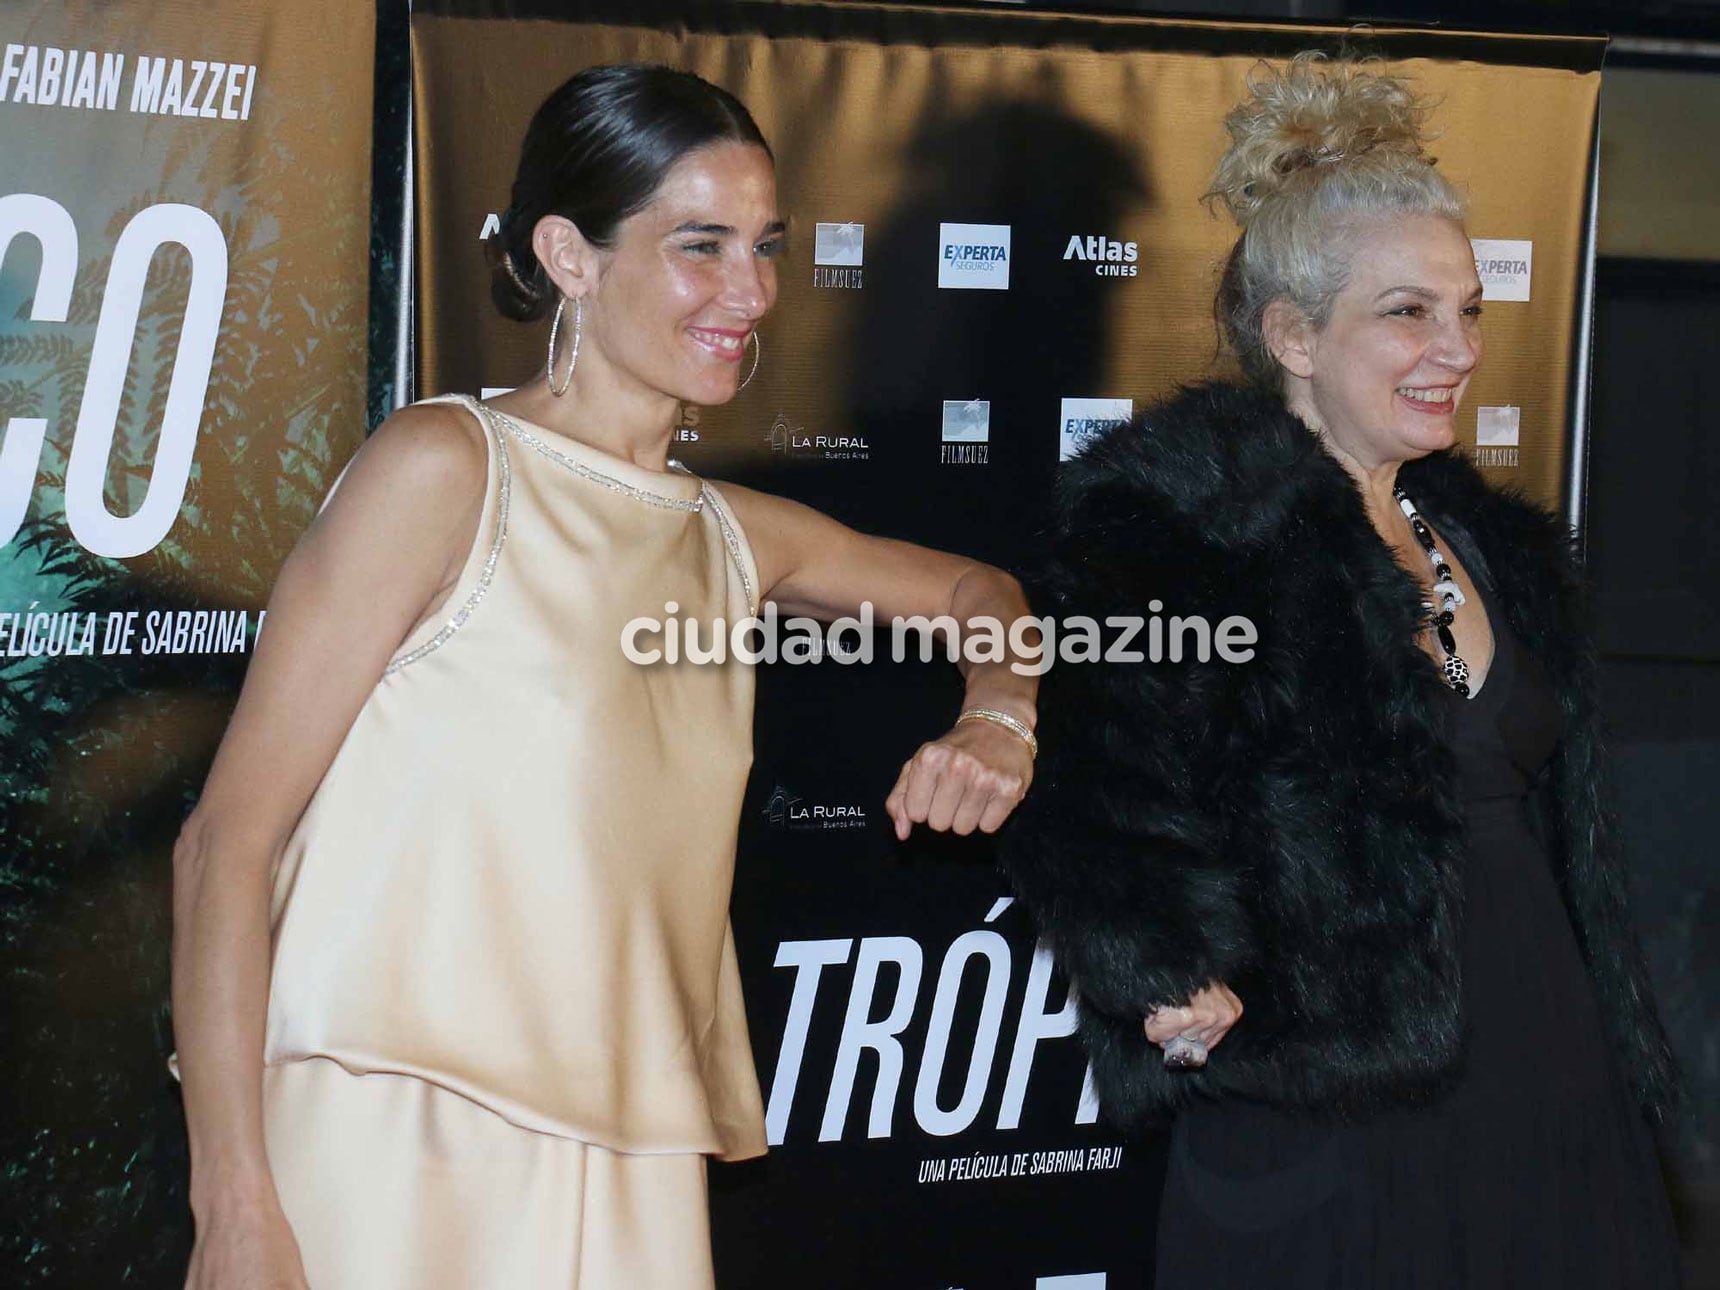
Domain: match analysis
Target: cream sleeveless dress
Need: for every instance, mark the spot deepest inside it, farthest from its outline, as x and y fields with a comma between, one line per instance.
x=505, y=1021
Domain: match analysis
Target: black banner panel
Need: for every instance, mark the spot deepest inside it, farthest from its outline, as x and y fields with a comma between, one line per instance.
x=997, y=246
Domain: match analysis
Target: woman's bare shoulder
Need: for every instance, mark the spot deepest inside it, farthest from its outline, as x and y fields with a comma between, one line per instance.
x=415, y=489
x=436, y=445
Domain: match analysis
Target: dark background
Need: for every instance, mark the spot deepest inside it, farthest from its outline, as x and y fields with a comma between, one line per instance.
x=1652, y=483
x=1654, y=477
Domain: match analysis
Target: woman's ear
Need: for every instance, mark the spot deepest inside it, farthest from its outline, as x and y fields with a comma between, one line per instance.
x=1289, y=337
x=570, y=260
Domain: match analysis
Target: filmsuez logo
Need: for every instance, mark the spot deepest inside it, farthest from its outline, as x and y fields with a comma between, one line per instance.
x=1109, y=258
x=1504, y=267
x=1496, y=436
x=1084, y=418
x=838, y=252
x=95, y=527
x=885, y=979
x=784, y=809
x=686, y=428
x=790, y=440
x=973, y=257
x=966, y=432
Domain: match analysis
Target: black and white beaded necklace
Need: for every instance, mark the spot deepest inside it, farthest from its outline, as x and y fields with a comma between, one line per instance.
x=1450, y=595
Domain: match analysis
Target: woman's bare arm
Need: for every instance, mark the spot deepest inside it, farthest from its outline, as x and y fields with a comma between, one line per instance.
x=382, y=555
x=972, y=776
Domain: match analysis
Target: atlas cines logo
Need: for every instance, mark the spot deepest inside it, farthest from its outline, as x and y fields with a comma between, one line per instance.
x=1109, y=257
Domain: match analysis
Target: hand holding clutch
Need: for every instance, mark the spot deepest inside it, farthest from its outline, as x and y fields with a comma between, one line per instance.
x=1184, y=1054
x=1189, y=1033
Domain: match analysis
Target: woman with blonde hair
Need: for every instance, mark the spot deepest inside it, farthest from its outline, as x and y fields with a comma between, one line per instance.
x=1385, y=836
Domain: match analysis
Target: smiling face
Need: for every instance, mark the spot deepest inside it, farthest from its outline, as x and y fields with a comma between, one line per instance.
x=1383, y=378
x=687, y=278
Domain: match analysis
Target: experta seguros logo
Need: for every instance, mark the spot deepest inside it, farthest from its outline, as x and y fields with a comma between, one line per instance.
x=838, y=252
x=1109, y=257
x=1505, y=267
x=1084, y=418
x=973, y=257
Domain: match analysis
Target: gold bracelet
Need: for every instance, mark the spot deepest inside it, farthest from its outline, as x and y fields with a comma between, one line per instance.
x=1015, y=725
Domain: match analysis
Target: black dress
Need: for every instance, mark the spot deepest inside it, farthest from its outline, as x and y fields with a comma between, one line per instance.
x=1538, y=1170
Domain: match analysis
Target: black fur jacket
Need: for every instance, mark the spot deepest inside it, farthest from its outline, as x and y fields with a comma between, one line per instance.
x=1291, y=825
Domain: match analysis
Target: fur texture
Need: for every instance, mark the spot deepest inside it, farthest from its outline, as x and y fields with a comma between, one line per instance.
x=1291, y=825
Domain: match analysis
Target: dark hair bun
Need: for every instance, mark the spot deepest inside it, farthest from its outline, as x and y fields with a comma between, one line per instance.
x=597, y=151
x=524, y=296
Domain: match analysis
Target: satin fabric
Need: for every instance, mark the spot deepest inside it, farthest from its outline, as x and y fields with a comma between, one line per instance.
x=393, y=1183
x=513, y=882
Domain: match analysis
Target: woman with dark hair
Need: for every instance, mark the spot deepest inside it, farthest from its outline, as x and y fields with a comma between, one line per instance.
x=454, y=988
x=1383, y=834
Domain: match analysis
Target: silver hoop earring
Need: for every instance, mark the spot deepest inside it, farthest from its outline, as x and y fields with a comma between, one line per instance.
x=753, y=371
x=554, y=327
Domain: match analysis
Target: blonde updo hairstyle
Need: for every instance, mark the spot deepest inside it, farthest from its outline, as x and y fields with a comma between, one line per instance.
x=1317, y=150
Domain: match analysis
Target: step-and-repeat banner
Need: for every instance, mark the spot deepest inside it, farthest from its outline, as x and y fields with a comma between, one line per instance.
x=184, y=214
x=926, y=1100
x=183, y=242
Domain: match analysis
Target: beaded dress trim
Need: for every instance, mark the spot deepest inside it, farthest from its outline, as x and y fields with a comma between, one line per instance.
x=485, y=575
x=692, y=505
x=689, y=505
x=732, y=540
x=500, y=421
